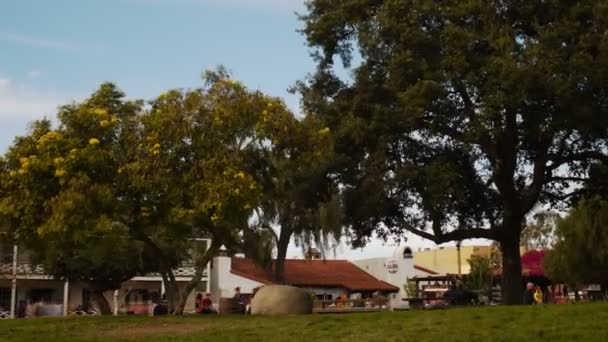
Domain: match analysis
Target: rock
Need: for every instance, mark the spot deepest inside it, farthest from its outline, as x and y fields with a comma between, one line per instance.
x=281, y=300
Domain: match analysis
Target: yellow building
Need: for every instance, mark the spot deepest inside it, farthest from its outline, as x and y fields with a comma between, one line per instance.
x=444, y=260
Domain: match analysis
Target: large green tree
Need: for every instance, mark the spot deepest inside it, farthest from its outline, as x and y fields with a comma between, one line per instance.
x=199, y=168
x=580, y=255
x=460, y=116
x=299, y=200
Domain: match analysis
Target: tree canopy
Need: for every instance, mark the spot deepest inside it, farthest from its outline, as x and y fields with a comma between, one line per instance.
x=580, y=254
x=153, y=179
x=460, y=116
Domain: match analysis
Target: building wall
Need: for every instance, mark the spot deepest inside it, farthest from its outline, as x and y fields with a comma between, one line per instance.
x=402, y=269
x=223, y=282
x=445, y=260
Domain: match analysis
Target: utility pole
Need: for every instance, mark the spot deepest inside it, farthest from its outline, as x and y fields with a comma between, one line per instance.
x=14, y=282
x=459, y=259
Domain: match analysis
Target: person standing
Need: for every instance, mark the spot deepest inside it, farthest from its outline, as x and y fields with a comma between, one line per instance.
x=538, y=295
x=529, y=294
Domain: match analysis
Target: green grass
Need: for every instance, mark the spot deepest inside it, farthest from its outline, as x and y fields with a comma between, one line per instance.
x=584, y=322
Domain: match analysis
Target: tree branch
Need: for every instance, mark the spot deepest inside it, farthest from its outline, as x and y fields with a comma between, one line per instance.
x=568, y=179
x=559, y=160
x=456, y=235
x=565, y=196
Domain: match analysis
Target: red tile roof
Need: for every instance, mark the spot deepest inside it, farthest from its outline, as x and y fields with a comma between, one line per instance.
x=426, y=270
x=315, y=273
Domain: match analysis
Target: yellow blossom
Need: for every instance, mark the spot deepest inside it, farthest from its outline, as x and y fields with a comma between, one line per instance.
x=22, y=171
x=155, y=152
x=252, y=186
x=12, y=173
x=58, y=160
x=215, y=218
x=93, y=141
x=324, y=131
x=247, y=206
x=60, y=173
x=120, y=170
x=100, y=112
x=156, y=146
x=240, y=175
x=48, y=137
x=104, y=123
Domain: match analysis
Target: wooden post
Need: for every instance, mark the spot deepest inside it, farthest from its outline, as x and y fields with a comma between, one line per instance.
x=115, y=302
x=66, y=297
x=14, y=283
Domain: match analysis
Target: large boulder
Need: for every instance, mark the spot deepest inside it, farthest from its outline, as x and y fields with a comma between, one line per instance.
x=281, y=300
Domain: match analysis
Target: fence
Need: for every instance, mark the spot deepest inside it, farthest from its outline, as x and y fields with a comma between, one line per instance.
x=351, y=305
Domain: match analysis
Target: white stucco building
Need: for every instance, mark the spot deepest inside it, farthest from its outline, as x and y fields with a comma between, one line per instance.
x=395, y=270
x=327, y=279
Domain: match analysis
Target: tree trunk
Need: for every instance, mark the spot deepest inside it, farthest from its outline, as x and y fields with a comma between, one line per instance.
x=282, y=246
x=101, y=301
x=201, y=265
x=512, y=286
x=171, y=288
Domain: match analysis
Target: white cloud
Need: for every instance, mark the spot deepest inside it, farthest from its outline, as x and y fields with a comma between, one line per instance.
x=44, y=43
x=32, y=74
x=19, y=101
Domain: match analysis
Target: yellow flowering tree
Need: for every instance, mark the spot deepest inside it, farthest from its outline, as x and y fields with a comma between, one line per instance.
x=58, y=194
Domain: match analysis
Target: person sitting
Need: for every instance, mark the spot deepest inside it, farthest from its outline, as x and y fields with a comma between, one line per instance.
x=162, y=308
x=198, y=303
x=238, y=301
x=207, y=304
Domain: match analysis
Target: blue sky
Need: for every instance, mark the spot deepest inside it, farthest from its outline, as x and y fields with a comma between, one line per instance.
x=53, y=52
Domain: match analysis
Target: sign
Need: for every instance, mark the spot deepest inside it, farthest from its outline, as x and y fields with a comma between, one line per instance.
x=392, y=266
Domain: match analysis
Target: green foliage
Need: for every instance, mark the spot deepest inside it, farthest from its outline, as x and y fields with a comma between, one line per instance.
x=411, y=288
x=460, y=116
x=580, y=254
x=540, y=232
x=194, y=163
x=480, y=274
x=58, y=192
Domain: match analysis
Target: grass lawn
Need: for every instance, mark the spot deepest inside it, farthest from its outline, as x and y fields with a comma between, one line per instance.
x=580, y=322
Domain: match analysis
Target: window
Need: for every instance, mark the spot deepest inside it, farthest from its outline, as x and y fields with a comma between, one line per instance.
x=86, y=297
x=5, y=298
x=324, y=296
x=407, y=253
x=44, y=295
x=6, y=251
x=137, y=296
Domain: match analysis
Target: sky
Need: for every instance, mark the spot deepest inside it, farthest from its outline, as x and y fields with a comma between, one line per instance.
x=59, y=51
